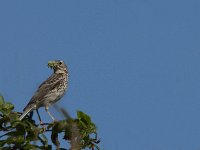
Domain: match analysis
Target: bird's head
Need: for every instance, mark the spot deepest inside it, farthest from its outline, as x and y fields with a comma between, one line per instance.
x=58, y=66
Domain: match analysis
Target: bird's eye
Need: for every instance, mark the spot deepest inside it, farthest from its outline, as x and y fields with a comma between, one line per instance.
x=60, y=63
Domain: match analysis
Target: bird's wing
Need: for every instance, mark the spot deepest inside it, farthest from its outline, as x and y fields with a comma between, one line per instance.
x=47, y=86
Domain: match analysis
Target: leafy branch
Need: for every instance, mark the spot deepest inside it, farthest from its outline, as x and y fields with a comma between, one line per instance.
x=79, y=132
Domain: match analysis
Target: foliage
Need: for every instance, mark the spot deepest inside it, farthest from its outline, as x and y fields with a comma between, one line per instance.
x=80, y=132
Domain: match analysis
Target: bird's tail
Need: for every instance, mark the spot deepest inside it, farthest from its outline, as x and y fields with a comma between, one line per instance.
x=26, y=111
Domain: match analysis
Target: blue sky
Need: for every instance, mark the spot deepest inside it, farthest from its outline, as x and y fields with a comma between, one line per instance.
x=134, y=65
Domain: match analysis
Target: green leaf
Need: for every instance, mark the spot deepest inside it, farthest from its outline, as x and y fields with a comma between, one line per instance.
x=15, y=139
x=13, y=117
x=1, y=100
x=84, y=117
x=54, y=138
x=30, y=146
x=2, y=143
x=9, y=106
x=6, y=108
x=59, y=126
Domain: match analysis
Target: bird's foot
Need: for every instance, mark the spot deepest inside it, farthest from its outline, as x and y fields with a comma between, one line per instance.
x=43, y=126
x=41, y=123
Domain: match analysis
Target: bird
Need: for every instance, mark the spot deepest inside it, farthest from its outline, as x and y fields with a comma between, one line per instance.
x=50, y=91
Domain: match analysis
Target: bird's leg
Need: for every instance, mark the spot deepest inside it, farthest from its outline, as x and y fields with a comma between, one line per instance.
x=47, y=110
x=41, y=123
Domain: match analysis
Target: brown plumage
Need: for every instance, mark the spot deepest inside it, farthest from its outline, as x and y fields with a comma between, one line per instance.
x=50, y=91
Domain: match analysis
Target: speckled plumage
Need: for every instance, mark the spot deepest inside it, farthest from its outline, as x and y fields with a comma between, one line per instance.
x=51, y=90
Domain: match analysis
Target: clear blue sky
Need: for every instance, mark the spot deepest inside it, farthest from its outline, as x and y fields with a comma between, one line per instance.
x=134, y=65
